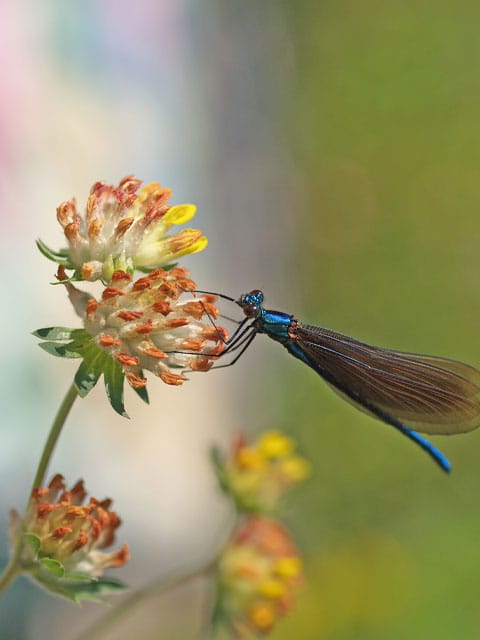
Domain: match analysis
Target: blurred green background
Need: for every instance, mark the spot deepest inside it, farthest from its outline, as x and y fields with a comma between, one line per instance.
x=333, y=148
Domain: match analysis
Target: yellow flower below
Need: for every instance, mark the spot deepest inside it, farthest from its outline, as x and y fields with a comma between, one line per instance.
x=260, y=572
x=258, y=474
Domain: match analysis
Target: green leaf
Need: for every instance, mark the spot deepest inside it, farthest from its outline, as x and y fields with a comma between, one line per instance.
x=60, y=350
x=218, y=616
x=33, y=542
x=114, y=378
x=81, y=338
x=75, y=277
x=77, y=575
x=53, y=567
x=217, y=462
x=142, y=391
x=169, y=267
x=78, y=590
x=216, y=457
x=86, y=378
x=94, y=363
x=55, y=333
x=57, y=337
x=60, y=257
x=96, y=589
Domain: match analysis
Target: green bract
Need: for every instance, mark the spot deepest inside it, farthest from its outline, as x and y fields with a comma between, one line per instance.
x=73, y=585
x=77, y=343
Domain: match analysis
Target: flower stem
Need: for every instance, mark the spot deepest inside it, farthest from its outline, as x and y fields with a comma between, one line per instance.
x=107, y=622
x=54, y=434
x=13, y=569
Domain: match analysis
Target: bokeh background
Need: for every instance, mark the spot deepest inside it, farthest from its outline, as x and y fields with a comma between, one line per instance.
x=333, y=150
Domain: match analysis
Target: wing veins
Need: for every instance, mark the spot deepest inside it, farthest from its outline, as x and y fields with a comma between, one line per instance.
x=409, y=361
x=414, y=398
x=433, y=389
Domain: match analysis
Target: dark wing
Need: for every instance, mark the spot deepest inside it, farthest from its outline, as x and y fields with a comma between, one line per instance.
x=433, y=395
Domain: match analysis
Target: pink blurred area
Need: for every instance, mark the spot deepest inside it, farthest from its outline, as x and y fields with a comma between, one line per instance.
x=74, y=108
x=21, y=85
x=94, y=91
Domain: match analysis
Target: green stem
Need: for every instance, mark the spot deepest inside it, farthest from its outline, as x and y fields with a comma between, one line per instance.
x=113, y=617
x=53, y=436
x=13, y=568
x=11, y=571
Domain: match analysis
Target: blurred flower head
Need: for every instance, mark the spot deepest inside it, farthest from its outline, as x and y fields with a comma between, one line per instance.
x=65, y=536
x=125, y=228
x=258, y=474
x=259, y=573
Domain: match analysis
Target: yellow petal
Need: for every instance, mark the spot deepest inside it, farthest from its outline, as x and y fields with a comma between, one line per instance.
x=248, y=458
x=288, y=567
x=199, y=245
x=185, y=243
x=272, y=588
x=273, y=444
x=294, y=468
x=179, y=214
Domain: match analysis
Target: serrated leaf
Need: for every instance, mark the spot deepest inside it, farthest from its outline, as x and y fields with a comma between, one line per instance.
x=55, y=333
x=93, y=365
x=60, y=257
x=114, y=379
x=142, y=391
x=33, y=542
x=53, y=567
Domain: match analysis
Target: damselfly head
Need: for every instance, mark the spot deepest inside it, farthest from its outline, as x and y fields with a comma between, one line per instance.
x=251, y=303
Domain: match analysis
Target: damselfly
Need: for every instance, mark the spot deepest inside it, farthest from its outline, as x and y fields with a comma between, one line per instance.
x=405, y=390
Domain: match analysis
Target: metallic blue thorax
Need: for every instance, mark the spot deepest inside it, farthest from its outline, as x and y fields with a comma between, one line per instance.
x=278, y=326
x=275, y=324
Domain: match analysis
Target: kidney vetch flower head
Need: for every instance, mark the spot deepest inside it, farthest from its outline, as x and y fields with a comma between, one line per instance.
x=143, y=324
x=258, y=474
x=151, y=324
x=259, y=573
x=126, y=228
x=65, y=540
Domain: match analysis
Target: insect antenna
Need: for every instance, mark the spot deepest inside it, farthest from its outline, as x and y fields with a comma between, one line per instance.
x=212, y=293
